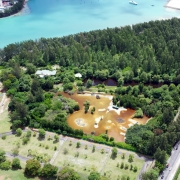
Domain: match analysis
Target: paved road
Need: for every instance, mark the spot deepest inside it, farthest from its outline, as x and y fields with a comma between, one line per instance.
x=174, y=162
x=22, y=158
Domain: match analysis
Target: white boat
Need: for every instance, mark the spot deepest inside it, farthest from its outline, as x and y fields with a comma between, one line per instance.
x=133, y=2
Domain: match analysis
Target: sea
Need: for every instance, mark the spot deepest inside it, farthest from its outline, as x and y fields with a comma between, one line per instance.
x=57, y=18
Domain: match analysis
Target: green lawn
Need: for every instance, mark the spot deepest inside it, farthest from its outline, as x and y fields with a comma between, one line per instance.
x=84, y=163
x=88, y=160
x=5, y=122
x=14, y=175
x=112, y=171
x=41, y=147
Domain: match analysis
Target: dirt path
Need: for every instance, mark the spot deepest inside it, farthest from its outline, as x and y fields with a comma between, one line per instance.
x=4, y=103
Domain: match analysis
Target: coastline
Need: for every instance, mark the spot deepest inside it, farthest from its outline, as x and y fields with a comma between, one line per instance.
x=20, y=12
x=173, y=4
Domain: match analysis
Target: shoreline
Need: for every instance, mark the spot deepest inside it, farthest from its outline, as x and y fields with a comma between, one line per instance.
x=18, y=13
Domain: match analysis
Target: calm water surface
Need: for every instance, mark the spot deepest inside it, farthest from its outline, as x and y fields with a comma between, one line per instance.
x=52, y=18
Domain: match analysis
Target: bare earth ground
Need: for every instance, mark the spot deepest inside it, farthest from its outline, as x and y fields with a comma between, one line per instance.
x=4, y=120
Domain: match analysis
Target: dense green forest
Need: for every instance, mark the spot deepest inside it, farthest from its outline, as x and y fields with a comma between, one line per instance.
x=147, y=52
x=142, y=53
x=13, y=10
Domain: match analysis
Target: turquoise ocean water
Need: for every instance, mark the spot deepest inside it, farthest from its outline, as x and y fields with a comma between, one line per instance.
x=52, y=18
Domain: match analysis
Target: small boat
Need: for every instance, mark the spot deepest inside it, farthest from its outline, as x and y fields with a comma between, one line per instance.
x=133, y=2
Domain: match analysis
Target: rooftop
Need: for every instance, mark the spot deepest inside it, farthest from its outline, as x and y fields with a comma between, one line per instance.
x=43, y=73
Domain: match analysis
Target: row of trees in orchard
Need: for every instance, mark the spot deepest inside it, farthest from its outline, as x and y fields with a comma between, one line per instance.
x=146, y=52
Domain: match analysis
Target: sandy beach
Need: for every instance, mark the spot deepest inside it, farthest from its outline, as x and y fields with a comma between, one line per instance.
x=174, y=4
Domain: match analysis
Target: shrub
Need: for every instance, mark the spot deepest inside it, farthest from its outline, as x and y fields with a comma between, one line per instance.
x=86, y=146
x=123, y=156
x=15, y=151
x=6, y=165
x=78, y=145
x=4, y=136
x=77, y=154
x=28, y=134
x=16, y=163
x=65, y=151
x=94, y=148
x=56, y=138
x=25, y=140
x=102, y=151
x=42, y=133
x=111, y=139
x=18, y=132
x=135, y=169
x=32, y=167
x=126, y=166
x=114, y=153
x=55, y=148
x=130, y=158
x=122, y=165
x=48, y=171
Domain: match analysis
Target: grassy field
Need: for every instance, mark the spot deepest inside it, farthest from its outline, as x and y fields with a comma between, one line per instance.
x=112, y=171
x=88, y=161
x=14, y=175
x=38, y=147
x=84, y=163
x=5, y=122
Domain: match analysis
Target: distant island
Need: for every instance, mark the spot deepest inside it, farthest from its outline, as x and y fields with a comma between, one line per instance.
x=10, y=7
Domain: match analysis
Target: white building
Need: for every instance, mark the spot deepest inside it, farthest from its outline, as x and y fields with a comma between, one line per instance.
x=1, y=6
x=43, y=73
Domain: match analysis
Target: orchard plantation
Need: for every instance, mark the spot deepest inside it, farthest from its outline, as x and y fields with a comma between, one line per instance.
x=144, y=53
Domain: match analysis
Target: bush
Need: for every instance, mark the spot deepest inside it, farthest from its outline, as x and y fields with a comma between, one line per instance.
x=4, y=136
x=135, y=169
x=65, y=151
x=18, y=132
x=138, y=113
x=122, y=165
x=32, y=167
x=16, y=163
x=6, y=165
x=42, y=133
x=48, y=171
x=78, y=145
x=126, y=166
x=28, y=134
x=25, y=140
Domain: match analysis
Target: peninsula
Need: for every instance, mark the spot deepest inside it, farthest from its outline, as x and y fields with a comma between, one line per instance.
x=8, y=8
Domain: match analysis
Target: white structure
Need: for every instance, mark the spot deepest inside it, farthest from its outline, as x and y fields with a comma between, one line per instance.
x=174, y=4
x=133, y=2
x=1, y=6
x=78, y=75
x=43, y=73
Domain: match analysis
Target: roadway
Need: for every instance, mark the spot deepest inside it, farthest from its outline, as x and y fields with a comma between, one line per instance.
x=173, y=162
